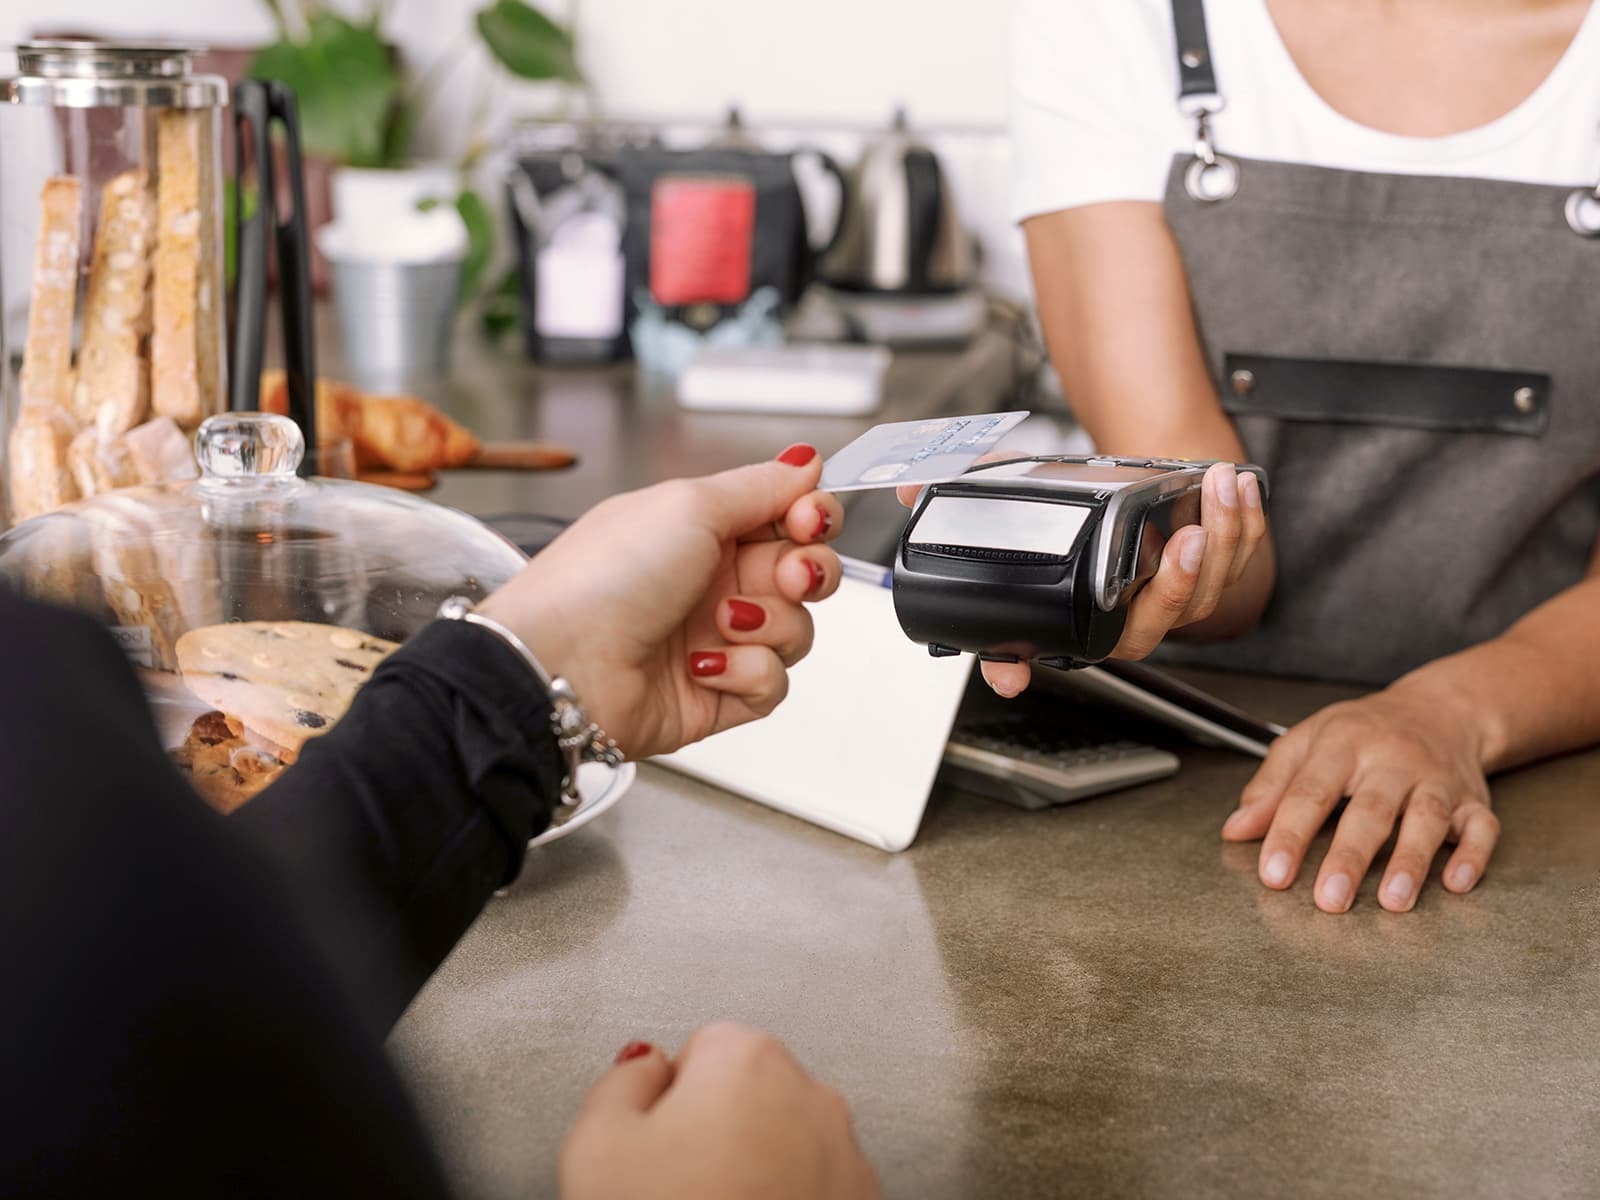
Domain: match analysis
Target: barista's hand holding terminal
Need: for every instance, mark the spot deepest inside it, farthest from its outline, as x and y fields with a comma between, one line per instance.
x=1210, y=581
x=1261, y=232
x=171, y=986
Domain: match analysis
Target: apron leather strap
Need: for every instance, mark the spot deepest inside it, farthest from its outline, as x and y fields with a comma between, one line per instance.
x=1197, y=81
x=1211, y=177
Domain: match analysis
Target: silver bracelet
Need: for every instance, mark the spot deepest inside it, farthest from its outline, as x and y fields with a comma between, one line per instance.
x=579, y=739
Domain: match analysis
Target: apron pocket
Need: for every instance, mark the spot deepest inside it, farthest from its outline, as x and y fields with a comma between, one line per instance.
x=1457, y=399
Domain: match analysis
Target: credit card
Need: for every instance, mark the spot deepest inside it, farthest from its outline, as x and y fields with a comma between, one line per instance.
x=916, y=452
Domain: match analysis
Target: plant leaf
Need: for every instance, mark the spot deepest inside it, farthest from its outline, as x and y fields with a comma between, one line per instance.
x=346, y=86
x=501, y=310
x=526, y=42
x=480, y=241
x=397, y=135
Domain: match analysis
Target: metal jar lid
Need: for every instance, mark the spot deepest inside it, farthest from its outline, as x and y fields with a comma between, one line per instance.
x=89, y=74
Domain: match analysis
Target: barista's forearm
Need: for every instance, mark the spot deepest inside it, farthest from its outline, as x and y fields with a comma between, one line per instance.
x=1532, y=692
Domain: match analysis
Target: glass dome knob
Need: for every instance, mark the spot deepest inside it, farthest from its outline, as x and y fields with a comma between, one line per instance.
x=249, y=446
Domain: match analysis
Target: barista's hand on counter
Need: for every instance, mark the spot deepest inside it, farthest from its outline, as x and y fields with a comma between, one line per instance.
x=676, y=610
x=734, y=1117
x=1197, y=564
x=1402, y=755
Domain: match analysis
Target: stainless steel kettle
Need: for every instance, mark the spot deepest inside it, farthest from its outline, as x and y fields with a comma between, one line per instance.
x=899, y=232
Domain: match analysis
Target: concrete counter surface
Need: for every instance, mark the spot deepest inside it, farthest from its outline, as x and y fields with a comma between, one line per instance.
x=1096, y=1000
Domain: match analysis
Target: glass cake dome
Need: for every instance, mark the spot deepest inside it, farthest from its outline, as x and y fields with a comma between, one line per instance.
x=254, y=602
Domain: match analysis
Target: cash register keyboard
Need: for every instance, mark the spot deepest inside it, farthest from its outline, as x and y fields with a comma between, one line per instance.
x=1038, y=750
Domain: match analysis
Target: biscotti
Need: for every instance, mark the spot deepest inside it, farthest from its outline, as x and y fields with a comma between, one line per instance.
x=46, y=378
x=100, y=464
x=113, y=375
x=154, y=452
x=185, y=366
x=147, y=618
x=38, y=461
x=166, y=584
x=161, y=452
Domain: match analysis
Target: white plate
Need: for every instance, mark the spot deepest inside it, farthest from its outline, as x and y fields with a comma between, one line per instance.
x=599, y=787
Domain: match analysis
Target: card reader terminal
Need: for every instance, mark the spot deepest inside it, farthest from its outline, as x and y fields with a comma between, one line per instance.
x=1036, y=558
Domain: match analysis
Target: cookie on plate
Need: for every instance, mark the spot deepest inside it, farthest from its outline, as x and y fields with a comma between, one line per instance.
x=224, y=767
x=286, y=680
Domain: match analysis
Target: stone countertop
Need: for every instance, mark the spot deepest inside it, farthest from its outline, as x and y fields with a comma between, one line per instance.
x=1092, y=1000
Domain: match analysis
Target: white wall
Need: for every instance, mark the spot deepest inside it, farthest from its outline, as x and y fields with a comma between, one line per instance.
x=795, y=63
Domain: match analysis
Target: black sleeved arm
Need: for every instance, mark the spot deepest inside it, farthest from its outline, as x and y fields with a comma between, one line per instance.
x=396, y=826
x=169, y=1025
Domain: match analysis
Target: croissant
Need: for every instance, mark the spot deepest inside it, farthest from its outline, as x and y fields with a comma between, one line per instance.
x=394, y=433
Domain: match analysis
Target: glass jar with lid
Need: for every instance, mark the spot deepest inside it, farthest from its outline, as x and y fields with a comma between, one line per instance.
x=111, y=269
x=253, y=602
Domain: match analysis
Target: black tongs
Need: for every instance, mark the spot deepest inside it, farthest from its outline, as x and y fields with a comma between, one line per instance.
x=256, y=104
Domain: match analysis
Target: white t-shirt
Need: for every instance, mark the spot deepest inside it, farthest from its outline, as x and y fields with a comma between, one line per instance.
x=1094, y=86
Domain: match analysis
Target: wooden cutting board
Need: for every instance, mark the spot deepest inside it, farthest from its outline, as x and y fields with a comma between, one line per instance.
x=406, y=481
x=494, y=456
x=521, y=456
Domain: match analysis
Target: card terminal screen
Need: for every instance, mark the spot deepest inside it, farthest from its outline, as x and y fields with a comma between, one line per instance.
x=987, y=523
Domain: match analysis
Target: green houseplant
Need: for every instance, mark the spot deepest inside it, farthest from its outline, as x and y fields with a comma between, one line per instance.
x=358, y=108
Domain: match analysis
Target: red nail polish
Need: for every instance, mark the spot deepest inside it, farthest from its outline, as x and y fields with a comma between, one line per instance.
x=744, y=616
x=707, y=663
x=798, y=455
x=633, y=1050
x=824, y=523
x=818, y=577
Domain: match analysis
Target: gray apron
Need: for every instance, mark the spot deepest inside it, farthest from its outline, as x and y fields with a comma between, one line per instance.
x=1413, y=360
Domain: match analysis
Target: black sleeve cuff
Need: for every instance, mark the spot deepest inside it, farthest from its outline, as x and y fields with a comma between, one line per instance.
x=501, y=723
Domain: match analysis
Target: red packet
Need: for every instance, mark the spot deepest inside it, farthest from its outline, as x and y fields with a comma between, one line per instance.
x=701, y=232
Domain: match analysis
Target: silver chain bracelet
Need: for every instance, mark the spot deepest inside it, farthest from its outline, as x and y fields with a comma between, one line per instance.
x=580, y=740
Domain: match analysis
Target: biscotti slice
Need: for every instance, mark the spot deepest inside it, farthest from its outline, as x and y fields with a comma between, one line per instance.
x=148, y=618
x=161, y=452
x=113, y=385
x=287, y=680
x=185, y=372
x=38, y=461
x=100, y=464
x=169, y=580
x=46, y=377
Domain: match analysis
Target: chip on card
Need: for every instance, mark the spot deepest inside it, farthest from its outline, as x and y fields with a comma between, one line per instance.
x=915, y=452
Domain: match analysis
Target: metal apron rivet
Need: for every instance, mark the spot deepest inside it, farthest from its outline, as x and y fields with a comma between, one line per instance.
x=1525, y=400
x=1243, y=381
x=1194, y=59
x=1583, y=212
